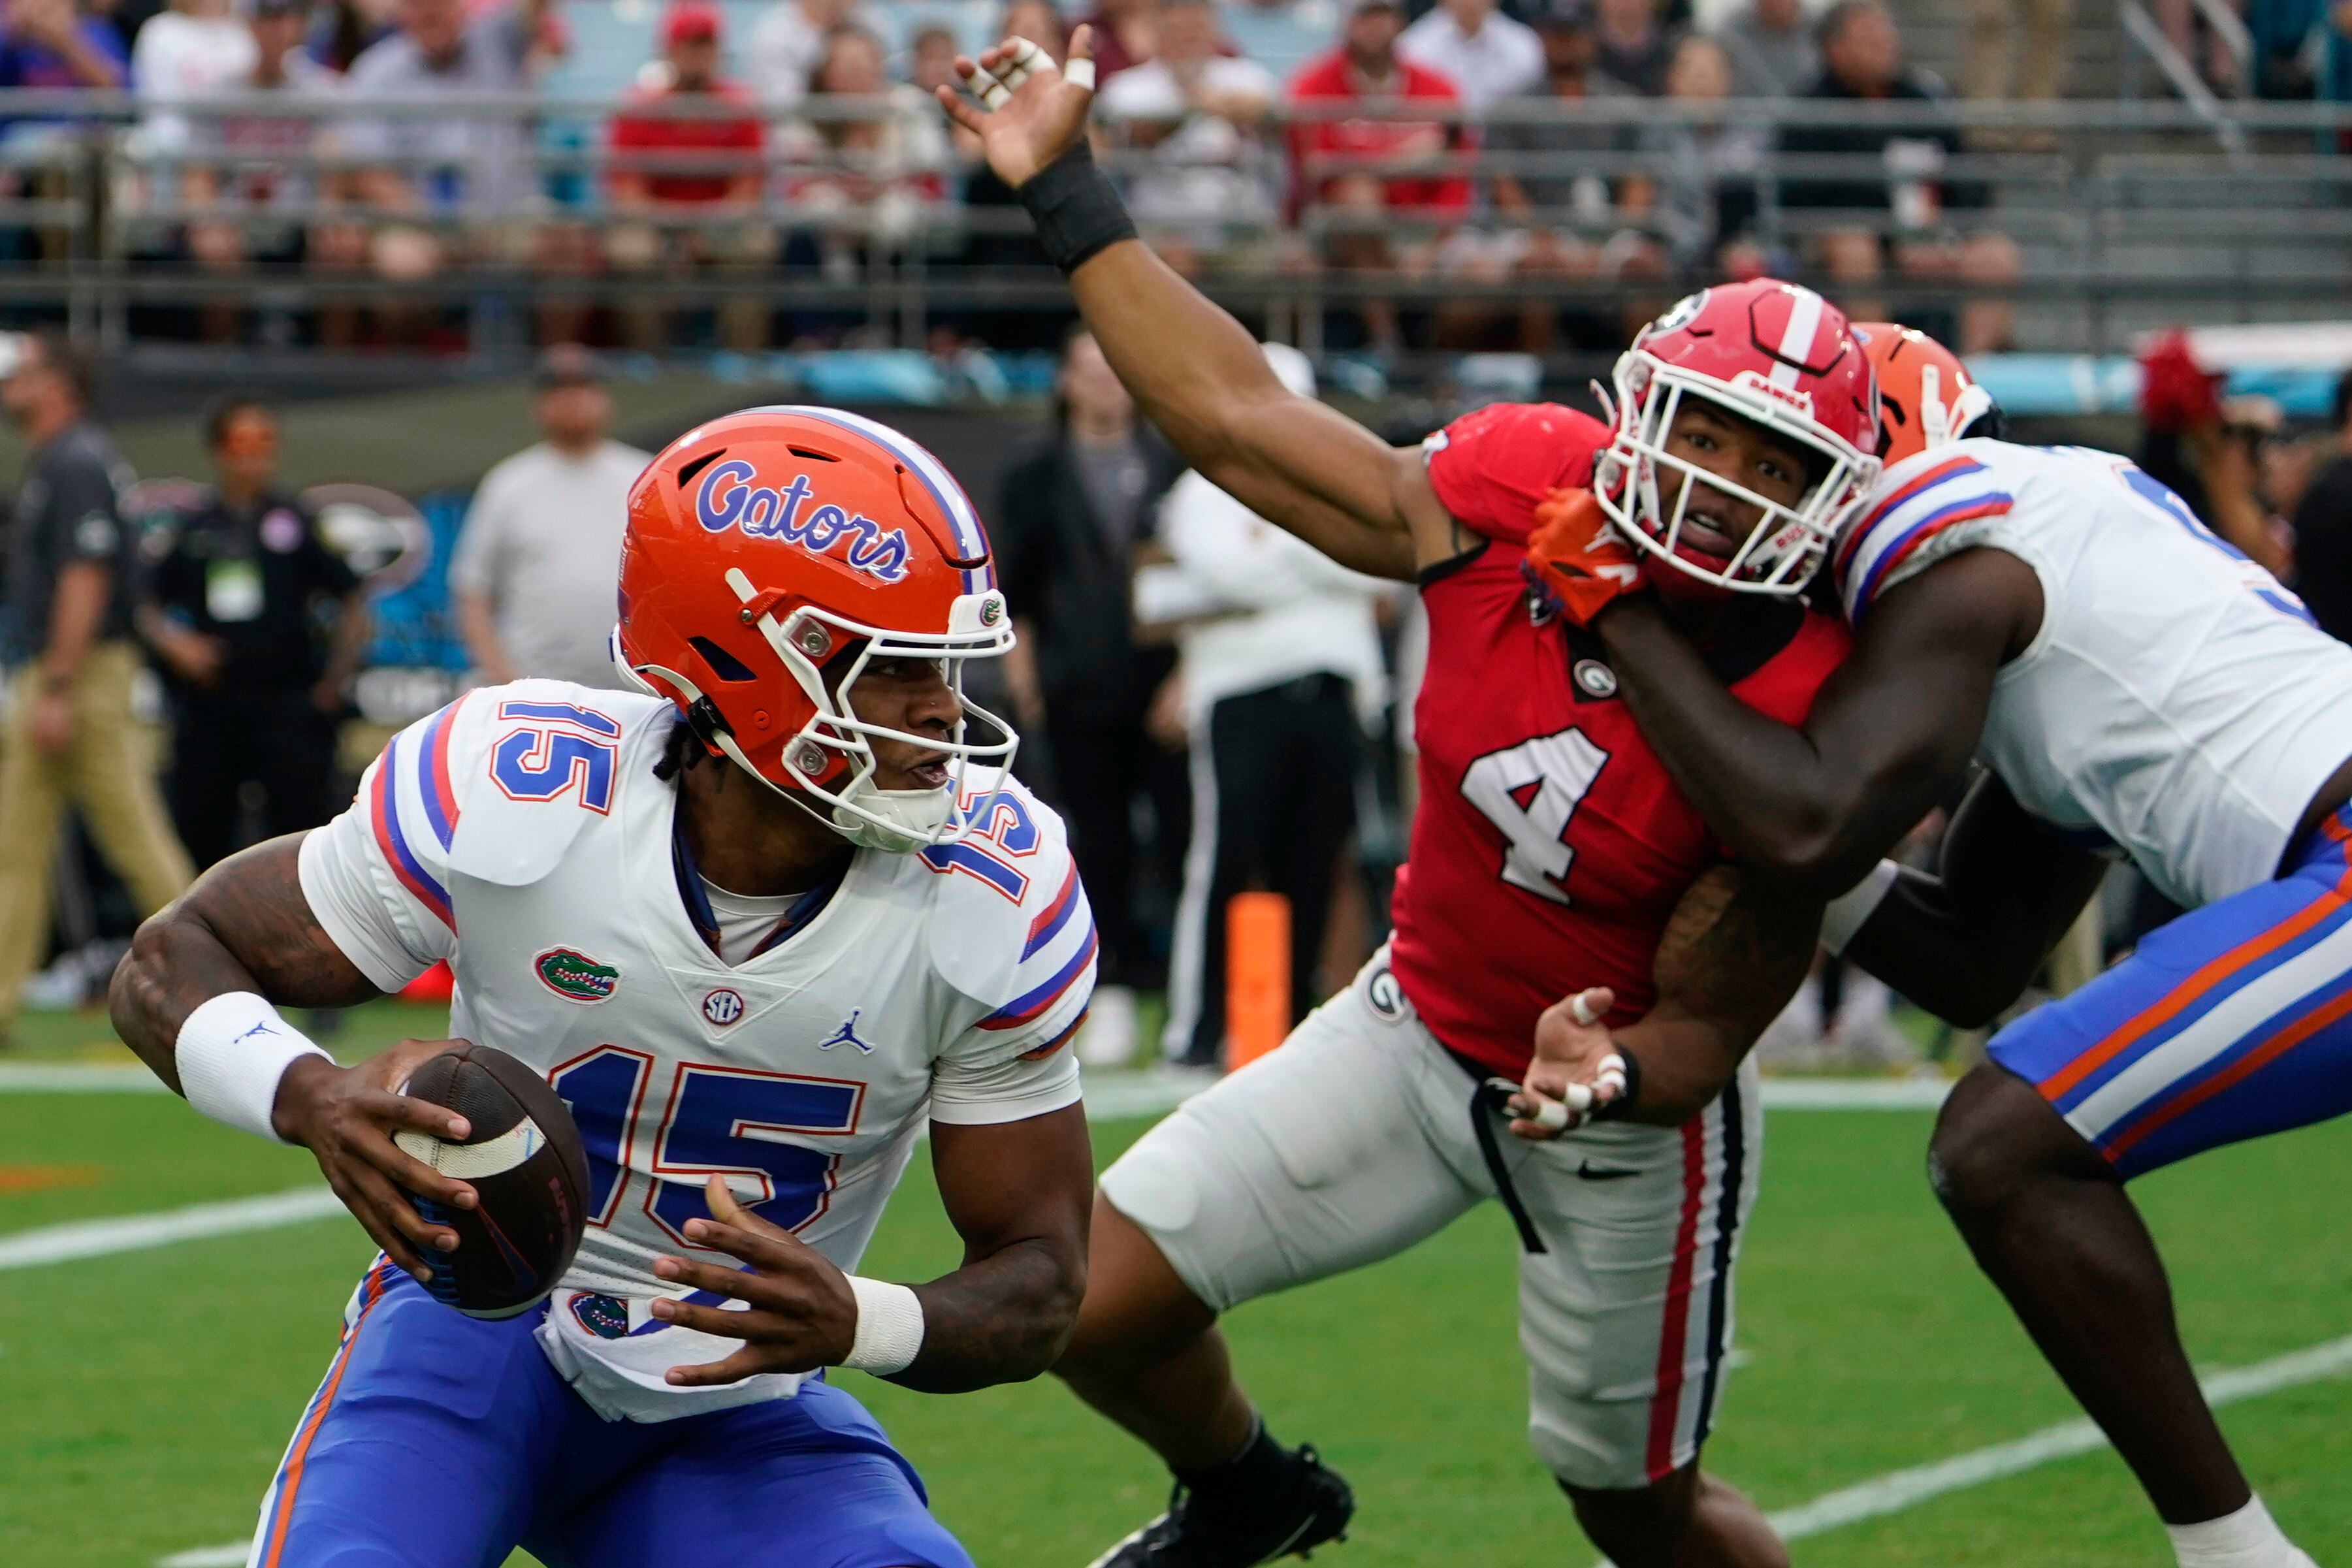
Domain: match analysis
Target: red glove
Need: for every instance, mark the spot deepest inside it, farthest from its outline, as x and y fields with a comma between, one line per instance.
x=1575, y=562
x=2176, y=393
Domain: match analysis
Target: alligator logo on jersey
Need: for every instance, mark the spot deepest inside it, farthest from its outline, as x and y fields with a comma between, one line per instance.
x=575, y=975
x=729, y=500
x=847, y=1034
x=723, y=1006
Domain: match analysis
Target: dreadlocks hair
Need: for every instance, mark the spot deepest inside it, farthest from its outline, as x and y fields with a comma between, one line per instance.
x=680, y=752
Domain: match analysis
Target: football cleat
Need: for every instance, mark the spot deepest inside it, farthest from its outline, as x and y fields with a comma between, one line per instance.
x=1191, y=1536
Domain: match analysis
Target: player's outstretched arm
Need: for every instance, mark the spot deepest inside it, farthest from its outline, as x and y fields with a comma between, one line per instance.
x=1019, y=1194
x=1734, y=952
x=1891, y=734
x=1964, y=941
x=1193, y=370
x=245, y=930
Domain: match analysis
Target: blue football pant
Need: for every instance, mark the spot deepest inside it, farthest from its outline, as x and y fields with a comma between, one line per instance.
x=2233, y=1022
x=438, y=1441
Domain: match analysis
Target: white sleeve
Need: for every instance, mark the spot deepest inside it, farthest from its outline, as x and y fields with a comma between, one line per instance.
x=1927, y=507
x=1026, y=969
x=471, y=564
x=377, y=877
x=971, y=1095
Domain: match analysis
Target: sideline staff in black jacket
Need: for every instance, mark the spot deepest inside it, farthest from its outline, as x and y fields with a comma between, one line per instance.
x=1071, y=515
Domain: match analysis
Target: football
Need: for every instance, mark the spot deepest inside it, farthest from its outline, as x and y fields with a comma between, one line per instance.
x=527, y=1168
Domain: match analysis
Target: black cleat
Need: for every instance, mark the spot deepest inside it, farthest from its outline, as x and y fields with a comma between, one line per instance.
x=1189, y=1536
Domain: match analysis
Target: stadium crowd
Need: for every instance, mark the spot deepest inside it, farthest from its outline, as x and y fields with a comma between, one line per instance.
x=426, y=140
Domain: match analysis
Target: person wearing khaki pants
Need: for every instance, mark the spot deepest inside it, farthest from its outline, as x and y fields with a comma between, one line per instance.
x=68, y=733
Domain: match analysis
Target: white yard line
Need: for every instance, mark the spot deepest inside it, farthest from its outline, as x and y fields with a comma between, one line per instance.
x=1899, y=1489
x=232, y=1555
x=138, y=1232
x=77, y=1078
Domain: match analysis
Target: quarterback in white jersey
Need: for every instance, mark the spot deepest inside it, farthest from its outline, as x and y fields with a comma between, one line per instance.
x=759, y=927
x=2133, y=686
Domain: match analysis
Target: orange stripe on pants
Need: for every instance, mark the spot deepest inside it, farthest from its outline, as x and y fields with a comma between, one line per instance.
x=301, y=1449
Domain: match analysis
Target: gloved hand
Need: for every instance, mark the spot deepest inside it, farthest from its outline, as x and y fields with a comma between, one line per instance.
x=2177, y=393
x=1576, y=561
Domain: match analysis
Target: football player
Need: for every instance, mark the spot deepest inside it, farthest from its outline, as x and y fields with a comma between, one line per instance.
x=1548, y=853
x=758, y=927
x=2134, y=685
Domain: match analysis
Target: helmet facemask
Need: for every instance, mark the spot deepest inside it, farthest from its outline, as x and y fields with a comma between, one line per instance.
x=848, y=799
x=1648, y=490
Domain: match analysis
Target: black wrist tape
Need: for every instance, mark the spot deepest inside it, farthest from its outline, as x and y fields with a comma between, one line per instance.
x=1623, y=1103
x=1075, y=209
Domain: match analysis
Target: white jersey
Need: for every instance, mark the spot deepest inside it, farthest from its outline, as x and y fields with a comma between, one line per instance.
x=2177, y=702
x=520, y=834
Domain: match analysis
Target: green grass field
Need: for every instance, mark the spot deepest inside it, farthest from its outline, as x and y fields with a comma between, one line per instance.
x=145, y=1396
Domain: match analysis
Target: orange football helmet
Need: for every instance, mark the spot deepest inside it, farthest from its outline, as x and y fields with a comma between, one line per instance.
x=1926, y=396
x=766, y=548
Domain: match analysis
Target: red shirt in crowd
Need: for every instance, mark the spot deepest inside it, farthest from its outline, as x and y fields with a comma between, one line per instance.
x=1329, y=78
x=642, y=126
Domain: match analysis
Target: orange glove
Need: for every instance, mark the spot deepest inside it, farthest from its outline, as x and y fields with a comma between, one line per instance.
x=1575, y=562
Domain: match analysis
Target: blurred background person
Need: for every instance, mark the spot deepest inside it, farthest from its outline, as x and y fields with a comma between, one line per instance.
x=1280, y=670
x=70, y=734
x=788, y=43
x=1709, y=199
x=1635, y=44
x=670, y=119
x=1200, y=118
x=1368, y=202
x=1903, y=214
x=538, y=561
x=1772, y=48
x=258, y=626
x=1484, y=53
x=2323, y=526
x=1068, y=523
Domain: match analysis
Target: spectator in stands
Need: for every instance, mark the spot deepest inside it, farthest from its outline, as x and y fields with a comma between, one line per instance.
x=2322, y=529
x=1707, y=199
x=472, y=165
x=343, y=30
x=668, y=120
x=262, y=165
x=1902, y=215
x=1069, y=518
x=1200, y=119
x=1484, y=53
x=538, y=558
x=195, y=49
x=1280, y=670
x=50, y=44
x=1387, y=221
x=69, y=735
x=877, y=177
x=1772, y=47
x=788, y=44
x=931, y=57
x=1560, y=215
x=1040, y=22
x=1127, y=34
x=2031, y=34
x=1635, y=44
x=239, y=602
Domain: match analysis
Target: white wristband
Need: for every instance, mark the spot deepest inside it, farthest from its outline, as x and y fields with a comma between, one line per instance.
x=889, y=1327
x=1851, y=910
x=231, y=1053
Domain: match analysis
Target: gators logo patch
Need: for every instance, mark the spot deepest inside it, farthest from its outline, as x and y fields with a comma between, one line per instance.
x=576, y=977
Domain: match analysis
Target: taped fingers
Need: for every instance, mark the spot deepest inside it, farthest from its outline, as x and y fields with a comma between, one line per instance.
x=991, y=93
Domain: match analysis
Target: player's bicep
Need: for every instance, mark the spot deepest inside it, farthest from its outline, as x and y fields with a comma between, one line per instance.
x=1316, y=474
x=1734, y=952
x=1005, y=1183
x=254, y=905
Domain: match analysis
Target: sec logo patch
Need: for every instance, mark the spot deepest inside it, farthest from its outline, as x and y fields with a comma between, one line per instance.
x=722, y=1006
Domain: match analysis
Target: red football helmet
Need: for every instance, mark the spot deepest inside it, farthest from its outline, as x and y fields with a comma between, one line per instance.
x=768, y=546
x=1926, y=396
x=1773, y=353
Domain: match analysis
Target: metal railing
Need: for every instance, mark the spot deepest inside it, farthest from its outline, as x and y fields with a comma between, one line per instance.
x=2114, y=207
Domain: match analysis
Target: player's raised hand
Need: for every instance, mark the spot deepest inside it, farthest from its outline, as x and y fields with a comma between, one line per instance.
x=1031, y=111
x=346, y=1117
x=802, y=1312
x=1577, y=1068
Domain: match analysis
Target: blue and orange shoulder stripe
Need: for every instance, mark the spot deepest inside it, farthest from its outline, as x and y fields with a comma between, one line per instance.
x=1942, y=496
x=412, y=808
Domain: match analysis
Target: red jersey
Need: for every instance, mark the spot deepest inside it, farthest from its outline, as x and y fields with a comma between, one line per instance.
x=1328, y=79
x=644, y=125
x=1550, y=847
